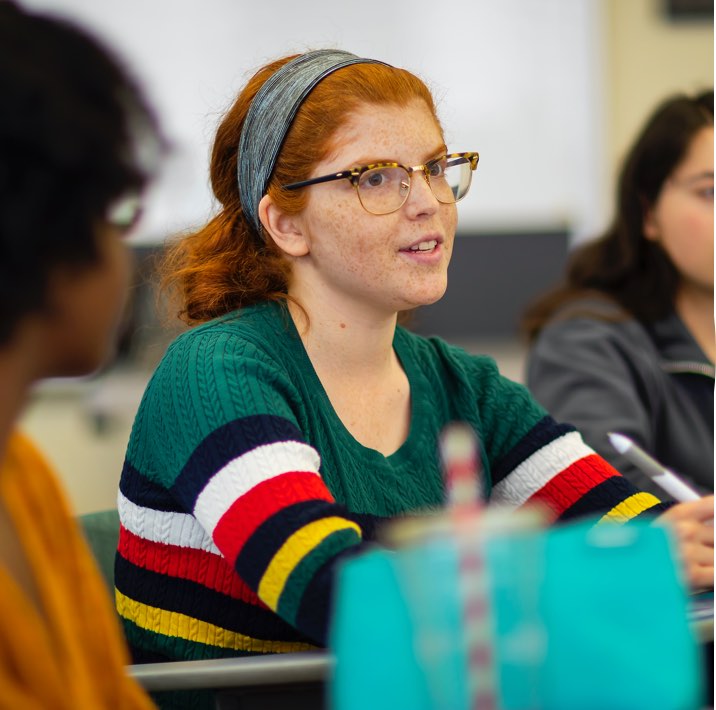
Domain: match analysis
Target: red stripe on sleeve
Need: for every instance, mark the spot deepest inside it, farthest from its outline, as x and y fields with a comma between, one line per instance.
x=264, y=500
x=205, y=568
x=568, y=486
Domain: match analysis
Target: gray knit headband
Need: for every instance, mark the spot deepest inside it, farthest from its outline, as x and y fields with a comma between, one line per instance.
x=270, y=116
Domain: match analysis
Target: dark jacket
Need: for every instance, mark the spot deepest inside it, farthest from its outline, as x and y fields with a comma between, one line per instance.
x=652, y=383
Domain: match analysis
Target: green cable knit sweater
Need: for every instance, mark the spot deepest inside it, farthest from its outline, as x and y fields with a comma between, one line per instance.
x=242, y=489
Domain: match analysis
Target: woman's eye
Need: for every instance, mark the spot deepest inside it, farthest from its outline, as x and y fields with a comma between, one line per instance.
x=375, y=178
x=707, y=193
x=437, y=169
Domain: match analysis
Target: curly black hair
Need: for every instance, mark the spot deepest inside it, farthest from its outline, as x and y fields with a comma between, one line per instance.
x=74, y=128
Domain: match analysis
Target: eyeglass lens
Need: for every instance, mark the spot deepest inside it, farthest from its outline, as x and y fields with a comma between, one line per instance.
x=384, y=190
x=125, y=212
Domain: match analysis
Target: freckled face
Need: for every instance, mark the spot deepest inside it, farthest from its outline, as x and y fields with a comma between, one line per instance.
x=682, y=219
x=359, y=260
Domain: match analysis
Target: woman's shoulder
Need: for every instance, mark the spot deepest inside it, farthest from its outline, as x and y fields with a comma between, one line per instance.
x=252, y=330
x=595, y=330
x=590, y=305
x=212, y=374
x=594, y=316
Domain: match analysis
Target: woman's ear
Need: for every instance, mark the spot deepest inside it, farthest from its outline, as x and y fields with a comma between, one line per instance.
x=285, y=229
x=650, y=225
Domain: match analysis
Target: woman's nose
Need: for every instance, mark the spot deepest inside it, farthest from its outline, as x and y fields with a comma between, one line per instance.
x=421, y=199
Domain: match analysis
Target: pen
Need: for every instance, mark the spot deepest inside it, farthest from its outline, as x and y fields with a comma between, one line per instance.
x=662, y=476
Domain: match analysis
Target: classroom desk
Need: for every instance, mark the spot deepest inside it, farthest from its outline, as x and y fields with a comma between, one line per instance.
x=295, y=680
x=277, y=681
x=277, y=669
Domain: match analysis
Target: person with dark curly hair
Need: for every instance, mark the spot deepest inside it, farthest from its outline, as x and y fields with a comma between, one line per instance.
x=75, y=138
x=626, y=344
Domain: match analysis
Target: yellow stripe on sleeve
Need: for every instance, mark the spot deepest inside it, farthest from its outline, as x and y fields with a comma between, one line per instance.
x=630, y=508
x=172, y=623
x=300, y=544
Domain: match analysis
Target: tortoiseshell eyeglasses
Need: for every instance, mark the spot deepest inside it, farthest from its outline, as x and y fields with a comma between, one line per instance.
x=384, y=187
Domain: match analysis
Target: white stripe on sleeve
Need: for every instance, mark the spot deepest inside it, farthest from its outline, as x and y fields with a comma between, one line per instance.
x=169, y=528
x=544, y=464
x=241, y=474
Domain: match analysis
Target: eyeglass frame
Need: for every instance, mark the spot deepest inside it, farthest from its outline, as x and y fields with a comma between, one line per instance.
x=354, y=175
x=124, y=214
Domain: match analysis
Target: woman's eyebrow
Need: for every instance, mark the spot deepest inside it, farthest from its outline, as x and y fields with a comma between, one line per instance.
x=371, y=161
x=440, y=150
x=705, y=175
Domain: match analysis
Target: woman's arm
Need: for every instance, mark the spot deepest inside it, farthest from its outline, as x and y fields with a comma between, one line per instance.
x=231, y=455
x=553, y=468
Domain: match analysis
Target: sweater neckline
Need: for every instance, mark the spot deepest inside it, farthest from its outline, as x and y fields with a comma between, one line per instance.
x=412, y=373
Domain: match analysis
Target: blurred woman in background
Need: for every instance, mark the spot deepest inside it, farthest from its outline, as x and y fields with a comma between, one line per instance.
x=626, y=344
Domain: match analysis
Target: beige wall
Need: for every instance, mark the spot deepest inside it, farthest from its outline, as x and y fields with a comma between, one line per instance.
x=648, y=56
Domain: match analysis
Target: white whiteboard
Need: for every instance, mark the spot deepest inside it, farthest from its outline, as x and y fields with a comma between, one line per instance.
x=517, y=80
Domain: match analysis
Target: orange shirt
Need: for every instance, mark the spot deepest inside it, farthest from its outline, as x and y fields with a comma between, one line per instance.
x=73, y=656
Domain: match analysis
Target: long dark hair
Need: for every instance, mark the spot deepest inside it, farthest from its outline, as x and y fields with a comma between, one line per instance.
x=622, y=265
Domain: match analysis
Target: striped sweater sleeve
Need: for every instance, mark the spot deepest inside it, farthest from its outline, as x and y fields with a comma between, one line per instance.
x=553, y=467
x=255, y=486
x=535, y=460
x=245, y=484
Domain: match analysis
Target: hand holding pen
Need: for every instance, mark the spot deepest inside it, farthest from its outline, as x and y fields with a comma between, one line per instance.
x=691, y=519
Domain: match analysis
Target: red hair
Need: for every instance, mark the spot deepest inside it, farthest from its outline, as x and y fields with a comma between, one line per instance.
x=225, y=266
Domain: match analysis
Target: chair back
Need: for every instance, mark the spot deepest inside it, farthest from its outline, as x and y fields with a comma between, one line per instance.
x=102, y=532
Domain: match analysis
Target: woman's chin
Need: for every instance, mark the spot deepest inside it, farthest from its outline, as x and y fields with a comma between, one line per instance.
x=426, y=297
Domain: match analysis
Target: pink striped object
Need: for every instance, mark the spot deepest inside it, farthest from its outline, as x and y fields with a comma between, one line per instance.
x=459, y=449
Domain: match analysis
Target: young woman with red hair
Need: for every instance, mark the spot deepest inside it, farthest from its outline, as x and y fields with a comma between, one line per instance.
x=296, y=415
